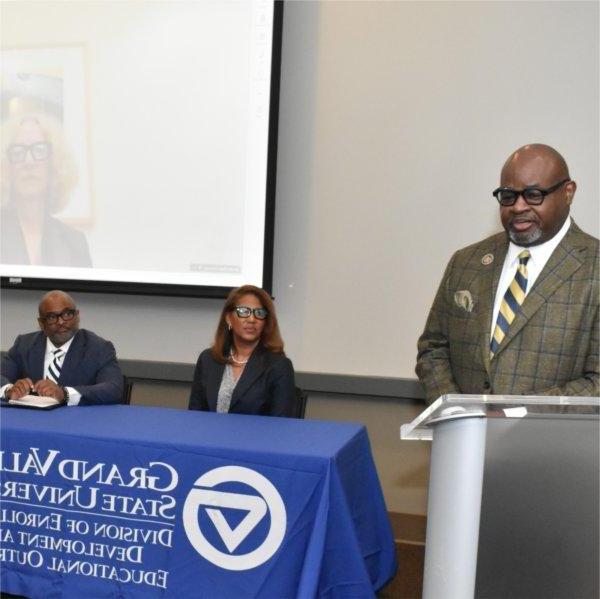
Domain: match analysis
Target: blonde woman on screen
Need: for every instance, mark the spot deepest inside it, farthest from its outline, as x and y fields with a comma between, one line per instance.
x=38, y=176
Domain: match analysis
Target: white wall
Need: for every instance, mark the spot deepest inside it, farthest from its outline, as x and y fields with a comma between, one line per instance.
x=395, y=120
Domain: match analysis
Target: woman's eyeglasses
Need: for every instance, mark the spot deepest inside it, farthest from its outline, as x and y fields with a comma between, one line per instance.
x=245, y=311
x=39, y=151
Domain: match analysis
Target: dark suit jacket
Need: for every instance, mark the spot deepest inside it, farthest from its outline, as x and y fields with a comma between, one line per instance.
x=266, y=385
x=551, y=347
x=61, y=245
x=90, y=366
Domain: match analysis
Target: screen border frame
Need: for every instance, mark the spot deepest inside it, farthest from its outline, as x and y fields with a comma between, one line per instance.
x=202, y=291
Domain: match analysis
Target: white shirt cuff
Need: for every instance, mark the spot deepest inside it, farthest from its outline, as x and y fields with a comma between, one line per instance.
x=74, y=396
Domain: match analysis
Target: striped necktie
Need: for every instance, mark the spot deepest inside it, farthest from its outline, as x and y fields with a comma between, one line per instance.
x=511, y=302
x=55, y=366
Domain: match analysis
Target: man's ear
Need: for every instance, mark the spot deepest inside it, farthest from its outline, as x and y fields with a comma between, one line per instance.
x=41, y=323
x=570, y=188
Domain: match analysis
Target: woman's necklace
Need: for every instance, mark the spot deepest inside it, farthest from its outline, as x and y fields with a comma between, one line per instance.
x=237, y=361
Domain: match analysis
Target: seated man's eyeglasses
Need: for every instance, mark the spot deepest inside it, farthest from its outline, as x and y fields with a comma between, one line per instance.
x=53, y=317
x=245, y=311
x=533, y=196
x=39, y=151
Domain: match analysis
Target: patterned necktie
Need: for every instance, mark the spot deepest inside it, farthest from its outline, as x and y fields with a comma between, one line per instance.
x=511, y=302
x=55, y=366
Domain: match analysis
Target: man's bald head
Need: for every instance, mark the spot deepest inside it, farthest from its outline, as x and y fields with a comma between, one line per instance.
x=540, y=166
x=58, y=317
x=53, y=296
x=542, y=156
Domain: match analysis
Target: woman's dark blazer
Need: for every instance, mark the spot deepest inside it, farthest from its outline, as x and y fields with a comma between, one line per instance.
x=266, y=385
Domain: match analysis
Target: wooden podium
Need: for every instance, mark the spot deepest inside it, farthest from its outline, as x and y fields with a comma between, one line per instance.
x=513, y=508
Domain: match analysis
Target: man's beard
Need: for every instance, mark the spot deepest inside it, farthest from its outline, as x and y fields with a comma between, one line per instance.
x=59, y=339
x=525, y=238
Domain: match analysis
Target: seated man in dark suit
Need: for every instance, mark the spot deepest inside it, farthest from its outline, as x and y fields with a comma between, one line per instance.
x=72, y=365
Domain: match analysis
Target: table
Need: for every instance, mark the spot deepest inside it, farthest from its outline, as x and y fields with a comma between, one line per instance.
x=123, y=501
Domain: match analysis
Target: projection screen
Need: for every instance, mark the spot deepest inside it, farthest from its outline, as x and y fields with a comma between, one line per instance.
x=139, y=144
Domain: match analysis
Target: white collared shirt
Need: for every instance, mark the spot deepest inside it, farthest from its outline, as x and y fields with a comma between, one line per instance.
x=540, y=254
x=49, y=355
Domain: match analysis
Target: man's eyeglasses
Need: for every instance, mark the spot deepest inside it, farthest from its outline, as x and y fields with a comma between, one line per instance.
x=533, y=196
x=39, y=151
x=65, y=315
x=244, y=312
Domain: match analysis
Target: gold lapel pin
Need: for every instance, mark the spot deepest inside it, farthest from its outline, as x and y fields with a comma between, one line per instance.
x=487, y=259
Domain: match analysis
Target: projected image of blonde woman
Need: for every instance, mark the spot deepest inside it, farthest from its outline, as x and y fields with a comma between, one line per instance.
x=38, y=176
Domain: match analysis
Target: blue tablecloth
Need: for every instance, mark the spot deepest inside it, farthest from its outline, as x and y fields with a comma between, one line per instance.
x=119, y=501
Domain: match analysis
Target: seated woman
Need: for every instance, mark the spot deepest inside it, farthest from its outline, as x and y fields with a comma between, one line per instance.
x=245, y=371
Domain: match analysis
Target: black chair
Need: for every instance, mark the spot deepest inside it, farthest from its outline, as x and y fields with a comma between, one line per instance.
x=127, y=387
x=301, y=397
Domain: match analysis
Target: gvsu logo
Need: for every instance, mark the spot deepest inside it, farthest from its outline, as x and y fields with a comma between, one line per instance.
x=204, y=497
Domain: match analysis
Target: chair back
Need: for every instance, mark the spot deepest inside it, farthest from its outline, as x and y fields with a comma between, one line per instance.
x=301, y=397
x=127, y=387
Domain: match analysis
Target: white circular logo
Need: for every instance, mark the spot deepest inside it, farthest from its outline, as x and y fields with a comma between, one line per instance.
x=203, y=495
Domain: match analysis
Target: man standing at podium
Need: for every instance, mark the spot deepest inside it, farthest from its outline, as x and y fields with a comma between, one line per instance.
x=72, y=365
x=517, y=313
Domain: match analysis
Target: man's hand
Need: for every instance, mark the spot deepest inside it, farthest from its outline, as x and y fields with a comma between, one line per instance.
x=21, y=388
x=49, y=389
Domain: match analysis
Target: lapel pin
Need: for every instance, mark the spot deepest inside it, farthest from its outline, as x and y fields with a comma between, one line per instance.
x=487, y=259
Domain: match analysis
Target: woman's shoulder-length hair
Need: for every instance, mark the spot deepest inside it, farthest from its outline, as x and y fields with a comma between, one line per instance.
x=270, y=340
x=63, y=168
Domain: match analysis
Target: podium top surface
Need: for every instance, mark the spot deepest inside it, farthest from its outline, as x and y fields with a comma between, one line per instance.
x=451, y=407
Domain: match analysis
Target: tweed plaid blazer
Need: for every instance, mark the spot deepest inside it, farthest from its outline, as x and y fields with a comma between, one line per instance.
x=551, y=347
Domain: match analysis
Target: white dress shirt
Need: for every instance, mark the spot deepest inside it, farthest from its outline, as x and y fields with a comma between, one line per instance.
x=74, y=396
x=540, y=254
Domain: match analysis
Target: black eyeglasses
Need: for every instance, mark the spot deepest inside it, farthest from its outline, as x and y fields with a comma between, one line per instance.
x=65, y=315
x=245, y=311
x=533, y=196
x=39, y=151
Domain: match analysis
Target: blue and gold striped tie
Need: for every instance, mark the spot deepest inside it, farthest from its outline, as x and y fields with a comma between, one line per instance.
x=511, y=302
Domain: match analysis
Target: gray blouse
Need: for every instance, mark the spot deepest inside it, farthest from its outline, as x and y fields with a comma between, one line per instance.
x=228, y=384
